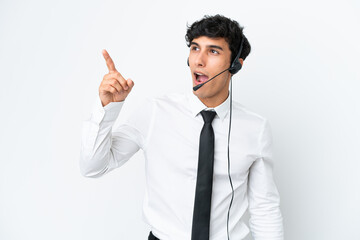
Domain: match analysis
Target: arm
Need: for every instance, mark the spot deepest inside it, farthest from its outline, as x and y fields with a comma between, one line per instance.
x=264, y=200
x=102, y=149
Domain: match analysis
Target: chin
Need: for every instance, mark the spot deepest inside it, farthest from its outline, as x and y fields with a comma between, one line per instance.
x=201, y=94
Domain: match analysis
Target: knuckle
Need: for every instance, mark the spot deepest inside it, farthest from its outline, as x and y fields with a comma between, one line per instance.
x=112, y=90
x=102, y=86
x=113, y=81
x=107, y=76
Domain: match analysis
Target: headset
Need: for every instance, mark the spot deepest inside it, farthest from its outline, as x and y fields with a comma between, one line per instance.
x=233, y=69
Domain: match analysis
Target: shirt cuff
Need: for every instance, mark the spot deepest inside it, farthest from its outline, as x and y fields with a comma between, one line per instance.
x=109, y=113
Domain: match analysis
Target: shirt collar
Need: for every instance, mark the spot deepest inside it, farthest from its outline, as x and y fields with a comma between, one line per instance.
x=196, y=106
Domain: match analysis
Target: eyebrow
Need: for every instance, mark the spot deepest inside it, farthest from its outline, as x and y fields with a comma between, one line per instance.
x=208, y=46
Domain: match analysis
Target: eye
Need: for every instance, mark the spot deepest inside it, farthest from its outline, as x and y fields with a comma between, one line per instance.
x=214, y=51
x=194, y=48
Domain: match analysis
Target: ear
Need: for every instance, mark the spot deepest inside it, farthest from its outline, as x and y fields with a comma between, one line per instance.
x=241, y=61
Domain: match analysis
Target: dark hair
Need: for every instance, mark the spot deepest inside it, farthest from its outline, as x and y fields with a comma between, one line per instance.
x=220, y=26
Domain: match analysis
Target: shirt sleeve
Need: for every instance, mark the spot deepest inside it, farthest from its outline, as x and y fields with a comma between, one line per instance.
x=264, y=201
x=102, y=148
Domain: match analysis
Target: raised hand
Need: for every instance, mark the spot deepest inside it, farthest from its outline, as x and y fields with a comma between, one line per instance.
x=113, y=88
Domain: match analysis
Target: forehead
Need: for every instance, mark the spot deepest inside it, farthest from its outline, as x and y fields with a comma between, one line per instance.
x=204, y=41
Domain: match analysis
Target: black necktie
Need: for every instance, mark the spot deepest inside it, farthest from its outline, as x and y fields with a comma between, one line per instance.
x=202, y=206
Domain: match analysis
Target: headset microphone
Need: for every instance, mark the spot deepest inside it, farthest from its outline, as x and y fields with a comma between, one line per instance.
x=200, y=85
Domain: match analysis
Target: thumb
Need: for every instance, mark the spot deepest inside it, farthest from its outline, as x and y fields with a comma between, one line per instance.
x=130, y=83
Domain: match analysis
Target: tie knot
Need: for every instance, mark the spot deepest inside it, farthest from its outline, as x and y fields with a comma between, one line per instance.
x=208, y=116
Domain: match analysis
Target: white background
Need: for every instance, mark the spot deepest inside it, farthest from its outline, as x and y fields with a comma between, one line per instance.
x=302, y=75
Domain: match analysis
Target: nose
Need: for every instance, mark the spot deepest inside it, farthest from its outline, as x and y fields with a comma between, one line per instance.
x=200, y=60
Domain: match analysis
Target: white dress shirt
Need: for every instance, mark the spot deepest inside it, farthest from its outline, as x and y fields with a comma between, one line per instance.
x=167, y=129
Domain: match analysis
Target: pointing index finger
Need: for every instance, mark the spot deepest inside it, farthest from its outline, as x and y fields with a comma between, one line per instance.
x=109, y=62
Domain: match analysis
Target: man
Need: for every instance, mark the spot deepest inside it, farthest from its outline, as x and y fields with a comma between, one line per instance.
x=189, y=171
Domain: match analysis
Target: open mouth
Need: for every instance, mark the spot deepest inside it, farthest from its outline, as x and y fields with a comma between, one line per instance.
x=200, y=77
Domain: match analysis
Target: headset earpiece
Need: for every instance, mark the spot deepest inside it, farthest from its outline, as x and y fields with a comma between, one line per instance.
x=236, y=65
x=188, y=62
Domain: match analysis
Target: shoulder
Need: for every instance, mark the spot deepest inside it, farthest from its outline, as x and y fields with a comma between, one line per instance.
x=169, y=100
x=240, y=110
x=244, y=116
x=165, y=99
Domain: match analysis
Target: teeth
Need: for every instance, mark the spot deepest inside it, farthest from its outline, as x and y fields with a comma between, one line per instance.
x=200, y=74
